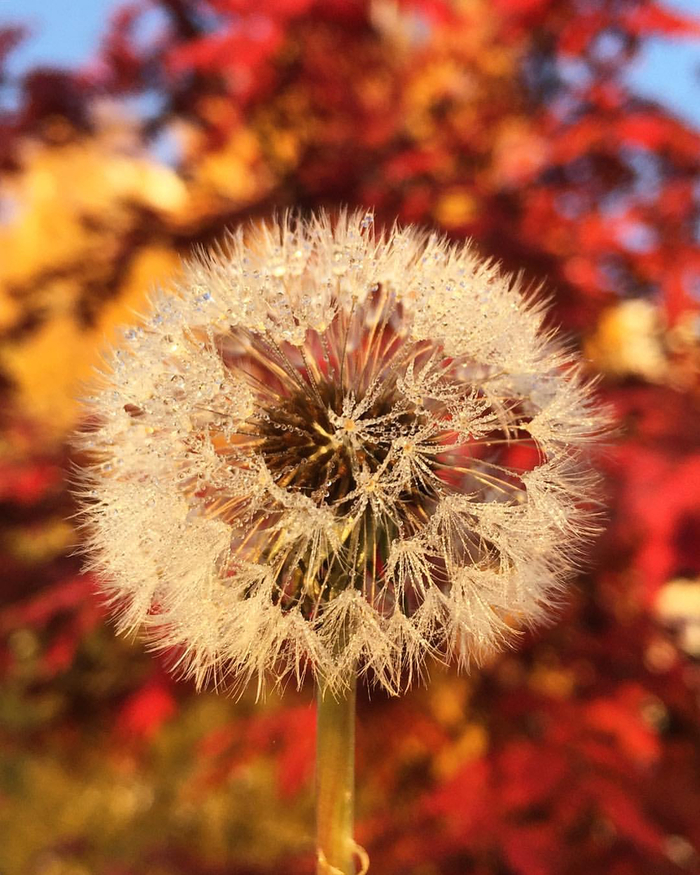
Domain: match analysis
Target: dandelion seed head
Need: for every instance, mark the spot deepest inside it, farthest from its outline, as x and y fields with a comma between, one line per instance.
x=336, y=448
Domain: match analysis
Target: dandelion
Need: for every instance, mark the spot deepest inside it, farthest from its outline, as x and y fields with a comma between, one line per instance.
x=342, y=450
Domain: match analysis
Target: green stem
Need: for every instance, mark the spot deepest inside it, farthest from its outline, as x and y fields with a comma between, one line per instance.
x=335, y=781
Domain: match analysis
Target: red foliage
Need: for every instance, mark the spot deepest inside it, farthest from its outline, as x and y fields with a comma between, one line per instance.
x=144, y=712
x=506, y=122
x=657, y=19
x=290, y=733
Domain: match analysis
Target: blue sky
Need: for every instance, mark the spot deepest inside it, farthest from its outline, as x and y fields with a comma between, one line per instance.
x=67, y=31
x=62, y=31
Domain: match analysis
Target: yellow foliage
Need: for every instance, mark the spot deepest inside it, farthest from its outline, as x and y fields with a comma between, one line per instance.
x=553, y=681
x=9, y=310
x=449, y=700
x=47, y=370
x=628, y=340
x=41, y=543
x=75, y=263
x=149, y=267
x=77, y=199
x=235, y=173
x=50, y=367
x=469, y=745
x=454, y=208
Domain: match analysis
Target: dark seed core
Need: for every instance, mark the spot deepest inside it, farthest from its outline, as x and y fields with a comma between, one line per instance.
x=305, y=451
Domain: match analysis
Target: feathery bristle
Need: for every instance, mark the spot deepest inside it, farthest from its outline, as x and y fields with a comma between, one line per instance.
x=340, y=449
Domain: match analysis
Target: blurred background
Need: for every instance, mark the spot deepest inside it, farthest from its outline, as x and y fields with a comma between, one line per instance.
x=562, y=136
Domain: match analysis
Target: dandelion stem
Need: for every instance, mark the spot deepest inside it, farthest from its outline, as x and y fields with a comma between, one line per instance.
x=335, y=780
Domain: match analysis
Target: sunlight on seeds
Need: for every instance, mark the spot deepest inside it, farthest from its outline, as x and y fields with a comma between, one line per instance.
x=339, y=449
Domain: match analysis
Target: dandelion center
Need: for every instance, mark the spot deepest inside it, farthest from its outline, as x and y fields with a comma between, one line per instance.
x=370, y=450
x=308, y=446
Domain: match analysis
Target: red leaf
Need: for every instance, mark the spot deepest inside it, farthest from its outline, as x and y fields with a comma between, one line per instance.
x=10, y=37
x=61, y=597
x=296, y=760
x=465, y=800
x=655, y=132
x=627, y=816
x=27, y=484
x=580, y=31
x=622, y=719
x=528, y=774
x=651, y=18
x=273, y=8
x=60, y=654
x=146, y=711
x=532, y=850
x=661, y=488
